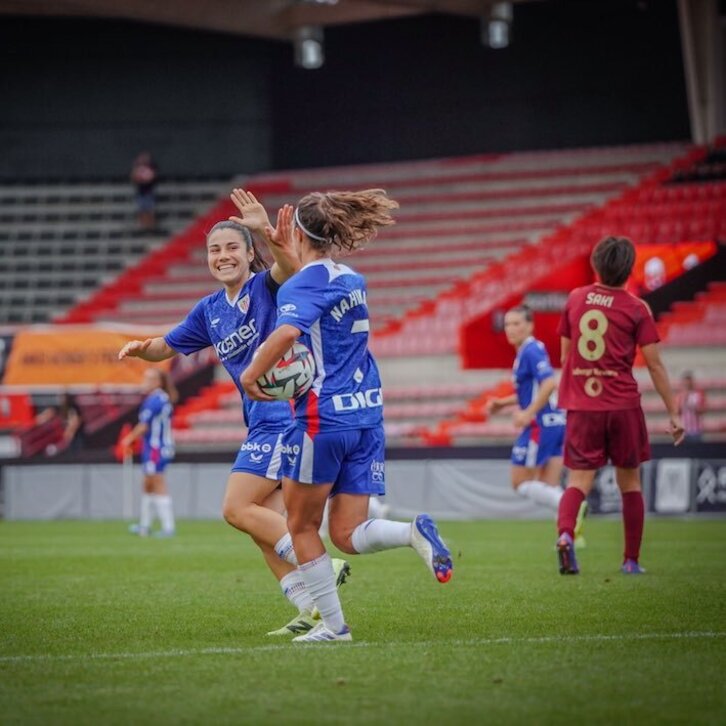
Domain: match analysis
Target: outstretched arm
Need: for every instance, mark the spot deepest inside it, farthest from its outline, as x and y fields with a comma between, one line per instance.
x=279, y=342
x=497, y=404
x=278, y=240
x=151, y=349
x=659, y=376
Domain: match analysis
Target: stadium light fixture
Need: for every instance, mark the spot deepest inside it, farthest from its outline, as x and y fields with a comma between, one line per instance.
x=309, y=49
x=497, y=25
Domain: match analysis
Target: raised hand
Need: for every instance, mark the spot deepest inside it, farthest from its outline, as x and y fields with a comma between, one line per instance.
x=281, y=236
x=134, y=349
x=252, y=214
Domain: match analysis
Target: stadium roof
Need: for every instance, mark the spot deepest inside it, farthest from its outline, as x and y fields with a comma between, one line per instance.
x=275, y=19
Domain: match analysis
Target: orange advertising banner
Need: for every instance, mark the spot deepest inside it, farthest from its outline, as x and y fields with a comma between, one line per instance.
x=655, y=265
x=62, y=356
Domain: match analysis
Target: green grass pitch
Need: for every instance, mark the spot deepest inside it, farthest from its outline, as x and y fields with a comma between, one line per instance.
x=99, y=627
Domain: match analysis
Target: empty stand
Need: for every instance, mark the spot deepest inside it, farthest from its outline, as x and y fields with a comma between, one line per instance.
x=458, y=217
x=59, y=242
x=700, y=323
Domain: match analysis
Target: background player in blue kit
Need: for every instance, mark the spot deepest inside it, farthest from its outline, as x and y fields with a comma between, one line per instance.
x=537, y=451
x=157, y=450
x=235, y=320
x=337, y=443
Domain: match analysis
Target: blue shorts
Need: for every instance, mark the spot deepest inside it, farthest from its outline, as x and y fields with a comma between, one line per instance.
x=535, y=446
x=154, y=461
x=354, y=461
x=261, y=454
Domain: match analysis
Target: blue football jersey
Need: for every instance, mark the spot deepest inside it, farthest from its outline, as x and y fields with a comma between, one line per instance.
x=155, y=412
x=531, y=367
x=327, y=302
x=236, y=328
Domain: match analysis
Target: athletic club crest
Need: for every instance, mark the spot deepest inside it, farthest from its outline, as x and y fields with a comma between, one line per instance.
x=244, y=304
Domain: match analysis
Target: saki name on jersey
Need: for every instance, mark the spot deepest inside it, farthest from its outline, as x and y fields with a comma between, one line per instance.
x=605, y=326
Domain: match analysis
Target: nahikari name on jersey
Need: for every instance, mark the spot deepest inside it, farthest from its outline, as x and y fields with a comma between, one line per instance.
x=355, y=297
x=238, y=341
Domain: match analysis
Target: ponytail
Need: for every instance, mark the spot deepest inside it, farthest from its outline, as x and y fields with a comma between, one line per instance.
x=344, y=220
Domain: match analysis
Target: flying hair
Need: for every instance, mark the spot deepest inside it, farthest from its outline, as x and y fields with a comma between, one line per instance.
x=258, y=263
x=345, y=221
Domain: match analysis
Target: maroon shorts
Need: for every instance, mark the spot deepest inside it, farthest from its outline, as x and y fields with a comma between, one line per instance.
x=594, y=437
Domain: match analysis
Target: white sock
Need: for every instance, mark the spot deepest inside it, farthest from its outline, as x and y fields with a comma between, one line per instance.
x=293, y=588
x=324, y=530
x=146, y=516
x=541, y=493
x=319, y=580
x=376, y=508
x=166, y=514
x=284, y=549
x=375, y=535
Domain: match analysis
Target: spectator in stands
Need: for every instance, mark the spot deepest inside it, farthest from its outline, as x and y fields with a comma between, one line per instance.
x=691, y=404
x=154, y=428
x=69, y=414
x=144, y=177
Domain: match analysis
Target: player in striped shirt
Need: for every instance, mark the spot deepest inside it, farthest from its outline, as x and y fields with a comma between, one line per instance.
x=336, y=447
x=537, y=451
x=235, y=320
x=157, y=450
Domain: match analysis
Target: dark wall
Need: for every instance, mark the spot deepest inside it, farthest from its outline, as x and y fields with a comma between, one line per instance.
x=82, y=98
x=579, y=72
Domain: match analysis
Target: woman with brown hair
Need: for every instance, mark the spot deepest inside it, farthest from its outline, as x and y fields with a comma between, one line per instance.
x=336, y=447
x=235, y=320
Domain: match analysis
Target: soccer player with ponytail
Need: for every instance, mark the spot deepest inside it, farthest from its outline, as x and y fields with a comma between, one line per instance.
x=336, y=447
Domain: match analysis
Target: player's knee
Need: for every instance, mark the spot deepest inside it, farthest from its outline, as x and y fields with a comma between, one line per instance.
x=298, y=524
x=341, y=538
x=235, y=515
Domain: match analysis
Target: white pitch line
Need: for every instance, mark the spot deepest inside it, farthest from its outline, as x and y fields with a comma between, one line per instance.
x=687, y=635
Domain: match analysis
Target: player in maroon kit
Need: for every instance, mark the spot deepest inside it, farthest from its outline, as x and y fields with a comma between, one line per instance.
x=600, y=327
